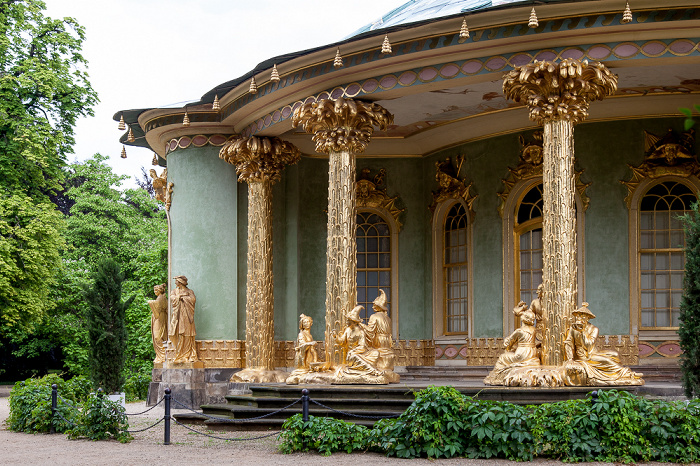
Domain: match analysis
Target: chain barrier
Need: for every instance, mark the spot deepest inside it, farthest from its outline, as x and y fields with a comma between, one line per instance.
x=393, y=416
x=223, y=438
x=145, y=429
x=70, y=423
x=66, y=402
x=144, y=412
x=227, y=419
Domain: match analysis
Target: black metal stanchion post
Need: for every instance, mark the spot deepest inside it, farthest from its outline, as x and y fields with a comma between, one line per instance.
x=305, y=405
x=54, y=405
x=166, y=417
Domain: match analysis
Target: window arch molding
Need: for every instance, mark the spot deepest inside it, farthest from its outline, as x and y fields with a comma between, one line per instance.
x=509, y=236
x=635, y=199
x=438, y=242
x=394, y=227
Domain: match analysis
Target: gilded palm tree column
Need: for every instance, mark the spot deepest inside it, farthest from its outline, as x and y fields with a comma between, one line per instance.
x=341, y=128
x=258, y=162
x=558, y=96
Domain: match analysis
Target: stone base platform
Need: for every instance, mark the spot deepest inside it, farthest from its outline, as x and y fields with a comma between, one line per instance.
x=192, y=386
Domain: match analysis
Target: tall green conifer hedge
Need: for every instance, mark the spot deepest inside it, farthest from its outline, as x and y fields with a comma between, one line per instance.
x=689, y=329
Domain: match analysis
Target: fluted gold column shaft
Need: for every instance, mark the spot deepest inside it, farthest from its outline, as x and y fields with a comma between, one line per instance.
x=559, y=236
x=259, y=324
x=341, y=262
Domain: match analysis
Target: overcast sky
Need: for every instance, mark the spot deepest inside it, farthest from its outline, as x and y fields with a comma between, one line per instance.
x=154, y=53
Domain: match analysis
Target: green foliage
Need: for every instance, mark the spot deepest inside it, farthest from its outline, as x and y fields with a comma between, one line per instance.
x=442, y=423
x=689, y=122
x=136, y=385
x=689, y=326
x=43, y=90
x=30, y=403
x=30, y=238
x=106, y=327
x=323, y=434
x=101, y=419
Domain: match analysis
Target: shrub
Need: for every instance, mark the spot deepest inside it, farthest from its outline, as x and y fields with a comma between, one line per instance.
x=689, y=325
x=101, y=419
x=30, y=403
x=107, y=331
x=136, y=386
x=324, y=434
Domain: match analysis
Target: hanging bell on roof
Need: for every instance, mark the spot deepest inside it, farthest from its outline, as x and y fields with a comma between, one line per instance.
x=338, y=61
x=627, y=14
x=122, y=124
x=154, y=162
x=533, y=23
x=215, y=105
x=130, y=136
x=464, y=31
x=186, y=119
x=123, y=152
x=253, y=87
x=274, y=74
x=386, y=45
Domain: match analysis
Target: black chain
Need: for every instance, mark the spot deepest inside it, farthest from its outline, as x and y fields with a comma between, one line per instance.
x=144, y=412
x=393, y=416
x=70, y=423
x=248, y=419
x=149, y=427
x=224, y=438
x=66, y=402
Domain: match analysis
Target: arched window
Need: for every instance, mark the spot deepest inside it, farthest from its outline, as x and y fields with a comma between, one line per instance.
x=374, y=261
x=661, y=255
x=528, y=244
x=455, y=270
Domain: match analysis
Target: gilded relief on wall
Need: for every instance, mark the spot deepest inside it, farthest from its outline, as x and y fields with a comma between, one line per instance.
x=530, y=166
x=371, y=192
x=450, y=186
x=670, y=154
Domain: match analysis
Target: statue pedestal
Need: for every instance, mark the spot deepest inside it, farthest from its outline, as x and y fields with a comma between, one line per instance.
x=190, y=384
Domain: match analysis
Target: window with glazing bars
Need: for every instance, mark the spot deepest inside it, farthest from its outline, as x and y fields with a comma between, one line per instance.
x=661, y=253
x=373, y=238
x=455, y=274
x=529, y=244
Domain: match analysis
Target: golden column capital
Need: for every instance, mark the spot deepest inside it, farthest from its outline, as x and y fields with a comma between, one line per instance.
x=259, y=158
x=341, y=125
x=554, y=91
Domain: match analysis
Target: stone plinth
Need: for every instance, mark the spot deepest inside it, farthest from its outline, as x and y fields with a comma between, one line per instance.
x=190, y=386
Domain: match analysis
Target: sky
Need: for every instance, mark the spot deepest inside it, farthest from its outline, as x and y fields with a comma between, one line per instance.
x=156, y=53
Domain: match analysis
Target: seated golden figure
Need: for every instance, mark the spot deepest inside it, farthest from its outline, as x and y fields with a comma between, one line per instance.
x=379, y=333
x=586, y=364
x=520, y=348
x=361, y=356
x=305, y=349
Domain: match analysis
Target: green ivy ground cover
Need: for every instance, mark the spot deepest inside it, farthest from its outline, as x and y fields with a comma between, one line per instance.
x=443, y=423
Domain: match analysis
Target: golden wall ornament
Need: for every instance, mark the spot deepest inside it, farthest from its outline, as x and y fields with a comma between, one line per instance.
x=258, y=162
x=530, y=166
x=670, y=154
x=558, y=96
x=371, y=192
x=340, y=128
x=163, y=190
x=451, y=187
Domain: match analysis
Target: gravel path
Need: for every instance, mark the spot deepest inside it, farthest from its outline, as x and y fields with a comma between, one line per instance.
x=186, y=448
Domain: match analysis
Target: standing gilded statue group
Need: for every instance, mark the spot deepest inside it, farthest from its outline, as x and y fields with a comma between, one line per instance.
x=180, y=331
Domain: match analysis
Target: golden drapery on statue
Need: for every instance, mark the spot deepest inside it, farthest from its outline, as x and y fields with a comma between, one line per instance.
x=159, y=321
x=182, y=330
x=558, y=96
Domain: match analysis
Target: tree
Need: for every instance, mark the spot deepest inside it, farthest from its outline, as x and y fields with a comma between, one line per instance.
x=106, y=326
x=43, y=90
x=689, y=327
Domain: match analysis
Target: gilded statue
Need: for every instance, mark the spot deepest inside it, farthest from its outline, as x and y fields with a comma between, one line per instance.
x=587, y=365
x=182, y=331
x=159, y=321
x=361, y=356
x=305, y=348
x=521, y=350
x=379, y=332
x=540, y=316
